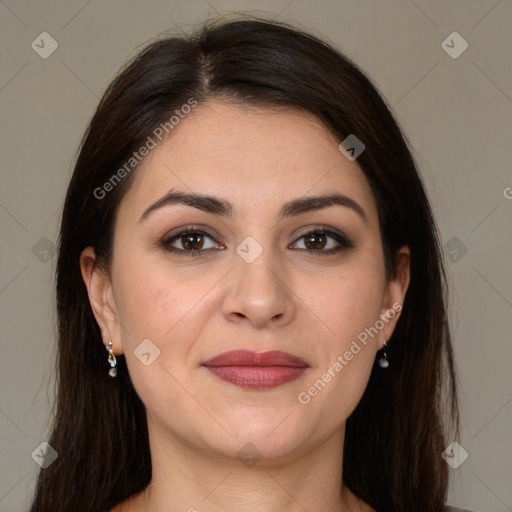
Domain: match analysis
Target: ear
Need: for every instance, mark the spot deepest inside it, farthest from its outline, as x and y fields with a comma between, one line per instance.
x=394, y=295
x=101, y=298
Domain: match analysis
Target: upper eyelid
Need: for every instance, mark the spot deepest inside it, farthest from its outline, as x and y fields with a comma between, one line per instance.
x=183, y=231
x=320, y=229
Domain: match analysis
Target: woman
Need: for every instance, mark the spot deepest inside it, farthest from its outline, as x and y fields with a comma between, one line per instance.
x=250, y=291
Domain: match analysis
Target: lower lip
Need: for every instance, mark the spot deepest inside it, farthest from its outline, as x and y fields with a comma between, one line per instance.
x=257, y=377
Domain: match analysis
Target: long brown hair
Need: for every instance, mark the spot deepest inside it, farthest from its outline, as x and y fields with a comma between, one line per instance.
x=395, y=436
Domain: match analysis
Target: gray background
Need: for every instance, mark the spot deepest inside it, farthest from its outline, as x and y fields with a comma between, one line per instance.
x=456, y=112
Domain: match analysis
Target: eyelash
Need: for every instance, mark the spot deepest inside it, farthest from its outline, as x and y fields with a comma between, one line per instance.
x=343, y=241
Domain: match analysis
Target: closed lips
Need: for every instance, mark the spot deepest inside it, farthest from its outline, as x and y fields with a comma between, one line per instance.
x=256, y=371
x=255, y=359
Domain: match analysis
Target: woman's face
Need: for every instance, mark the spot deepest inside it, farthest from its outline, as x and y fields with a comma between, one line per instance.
x=258, y=281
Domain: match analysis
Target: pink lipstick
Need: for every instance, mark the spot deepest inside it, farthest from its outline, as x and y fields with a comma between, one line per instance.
x=254, y=370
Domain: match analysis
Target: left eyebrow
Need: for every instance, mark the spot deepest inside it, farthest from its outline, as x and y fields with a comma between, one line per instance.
x=202, y=202
x=217, y=206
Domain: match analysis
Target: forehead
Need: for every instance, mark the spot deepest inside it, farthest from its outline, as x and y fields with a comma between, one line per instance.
x=251, y=156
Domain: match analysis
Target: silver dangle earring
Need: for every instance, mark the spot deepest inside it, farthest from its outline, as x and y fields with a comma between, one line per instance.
x=111, y=359
x=383, y=360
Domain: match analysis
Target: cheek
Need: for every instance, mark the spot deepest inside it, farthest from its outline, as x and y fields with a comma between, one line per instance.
x=146, y=307
x=169, y=307
x=331, y=394
x=153, y=304
x=349, y=303
x=151, y=300
x=352, y=300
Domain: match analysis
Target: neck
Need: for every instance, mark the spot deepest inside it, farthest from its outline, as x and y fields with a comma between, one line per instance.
x=185, y=478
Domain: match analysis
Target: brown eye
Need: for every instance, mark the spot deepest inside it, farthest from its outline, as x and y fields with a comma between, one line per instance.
x=323, y=241
x=315, y=241
x=190, y=242
x=193, y=241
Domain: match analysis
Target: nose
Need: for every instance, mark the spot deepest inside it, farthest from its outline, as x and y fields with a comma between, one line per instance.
x=258, y=293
